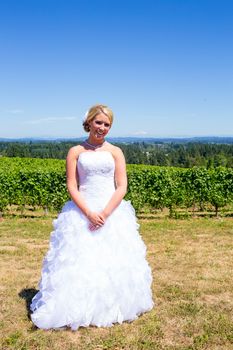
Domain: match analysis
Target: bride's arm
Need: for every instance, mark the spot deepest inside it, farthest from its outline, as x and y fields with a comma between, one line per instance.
x=72, y=179
x=121, y=183
x=72, y=186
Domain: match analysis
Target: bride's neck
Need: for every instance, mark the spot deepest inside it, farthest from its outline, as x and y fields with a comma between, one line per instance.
x=95, y=142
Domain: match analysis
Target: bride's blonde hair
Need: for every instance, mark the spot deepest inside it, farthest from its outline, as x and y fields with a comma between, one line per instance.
x=93, y=112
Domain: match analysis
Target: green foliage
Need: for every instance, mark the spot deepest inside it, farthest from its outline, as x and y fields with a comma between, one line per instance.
x=34, y=182
x=42, y=183
x=169, y=187
x=172, y=152
x=220, y=187
x=196, y=182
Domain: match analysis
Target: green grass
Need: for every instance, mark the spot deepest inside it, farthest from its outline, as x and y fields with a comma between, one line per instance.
x=191, y=261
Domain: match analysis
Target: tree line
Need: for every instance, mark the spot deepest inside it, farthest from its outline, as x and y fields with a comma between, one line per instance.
x=185, y=155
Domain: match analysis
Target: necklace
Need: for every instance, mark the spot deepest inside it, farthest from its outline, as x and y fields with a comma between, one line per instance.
x=93, y=146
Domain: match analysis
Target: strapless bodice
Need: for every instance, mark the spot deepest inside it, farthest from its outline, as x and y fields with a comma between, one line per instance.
x=96, y=177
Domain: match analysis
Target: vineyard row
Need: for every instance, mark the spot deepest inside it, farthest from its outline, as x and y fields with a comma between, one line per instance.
x=43, y=183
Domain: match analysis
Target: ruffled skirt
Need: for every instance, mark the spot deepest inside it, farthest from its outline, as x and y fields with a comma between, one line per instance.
x=97, y=277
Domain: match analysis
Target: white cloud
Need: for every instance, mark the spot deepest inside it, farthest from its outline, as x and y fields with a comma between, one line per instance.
x=14, y=111
x=48, y=120
x=140, y=132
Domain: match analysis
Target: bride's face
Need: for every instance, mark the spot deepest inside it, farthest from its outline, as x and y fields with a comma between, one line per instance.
x=100, y=126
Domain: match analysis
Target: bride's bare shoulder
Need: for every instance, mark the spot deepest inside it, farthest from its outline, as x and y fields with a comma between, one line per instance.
x=115, y=150
x=74, y=152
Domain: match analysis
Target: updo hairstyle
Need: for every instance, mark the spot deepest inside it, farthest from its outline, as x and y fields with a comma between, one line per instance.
x=93, y=112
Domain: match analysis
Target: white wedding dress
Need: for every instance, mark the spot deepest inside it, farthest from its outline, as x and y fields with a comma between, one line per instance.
x=96, y=277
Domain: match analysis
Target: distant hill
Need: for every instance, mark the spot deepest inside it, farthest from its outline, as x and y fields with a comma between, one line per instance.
x=129, y=140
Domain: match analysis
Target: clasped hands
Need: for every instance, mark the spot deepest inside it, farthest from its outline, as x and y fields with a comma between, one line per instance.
x=97, y=220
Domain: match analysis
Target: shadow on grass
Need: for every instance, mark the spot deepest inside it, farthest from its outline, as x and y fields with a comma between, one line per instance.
x=147, y=217
x=229, y=215
x=28, y=216
x=27, y=295
x=185, y=215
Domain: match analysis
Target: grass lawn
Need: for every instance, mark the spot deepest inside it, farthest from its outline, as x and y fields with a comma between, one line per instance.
x=192, y=267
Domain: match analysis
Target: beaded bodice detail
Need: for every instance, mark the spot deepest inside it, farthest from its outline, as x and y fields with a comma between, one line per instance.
x=96, y=177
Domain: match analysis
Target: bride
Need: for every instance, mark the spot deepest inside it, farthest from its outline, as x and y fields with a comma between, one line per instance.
x=95, y=271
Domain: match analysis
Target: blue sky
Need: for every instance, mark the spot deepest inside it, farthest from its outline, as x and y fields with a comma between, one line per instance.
x=165, y=67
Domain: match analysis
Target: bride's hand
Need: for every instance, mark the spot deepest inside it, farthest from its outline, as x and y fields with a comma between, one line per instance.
x=96, y=220
x=102, y=215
